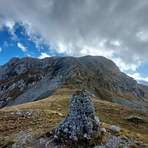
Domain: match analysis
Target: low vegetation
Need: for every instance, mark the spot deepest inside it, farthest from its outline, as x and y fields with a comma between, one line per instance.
x=38, y=118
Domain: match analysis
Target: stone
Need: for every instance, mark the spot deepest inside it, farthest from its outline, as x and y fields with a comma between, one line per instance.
x=135, y=119
x=2, y=103
x=103, y=130
x=115, y=128
x=81, y=124
x=22, y=139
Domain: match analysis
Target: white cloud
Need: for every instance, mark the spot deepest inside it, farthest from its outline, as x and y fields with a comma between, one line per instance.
x=10, y=24
x=96, y=51
x=0, y=49
x=126, y=66
x=22, y=47
x=115, y=43
x=143, y=35
x=43, y=55
x=114, y=28
x=61, y=47
x=138, y=77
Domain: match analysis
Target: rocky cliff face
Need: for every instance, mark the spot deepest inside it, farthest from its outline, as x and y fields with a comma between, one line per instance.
x=30, y=79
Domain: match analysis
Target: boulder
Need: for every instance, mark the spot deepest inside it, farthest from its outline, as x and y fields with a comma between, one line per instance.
x=115, y=129
x=135, y=119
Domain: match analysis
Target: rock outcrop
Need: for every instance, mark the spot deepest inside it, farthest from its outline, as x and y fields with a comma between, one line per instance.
x=81, y=126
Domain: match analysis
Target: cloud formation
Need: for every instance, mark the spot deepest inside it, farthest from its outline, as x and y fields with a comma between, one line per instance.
x=0, y=49
x=22, y=47
x=138, y=77
x=117, y=29
x=43, y=55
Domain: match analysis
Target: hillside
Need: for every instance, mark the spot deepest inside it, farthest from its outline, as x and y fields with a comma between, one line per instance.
x=29, y=79
x=27, y=122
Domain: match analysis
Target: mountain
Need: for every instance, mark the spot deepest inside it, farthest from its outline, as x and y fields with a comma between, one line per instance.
x=30, y=79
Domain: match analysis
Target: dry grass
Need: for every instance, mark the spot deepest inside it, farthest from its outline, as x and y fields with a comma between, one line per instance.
x=40, y=117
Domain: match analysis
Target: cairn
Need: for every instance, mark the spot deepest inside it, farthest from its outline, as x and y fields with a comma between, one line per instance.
x=81, y=126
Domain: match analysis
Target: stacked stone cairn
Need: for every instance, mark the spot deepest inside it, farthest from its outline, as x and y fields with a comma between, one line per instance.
x=81, y=126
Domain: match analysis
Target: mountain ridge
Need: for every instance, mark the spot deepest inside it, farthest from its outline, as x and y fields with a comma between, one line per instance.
x=21, y=79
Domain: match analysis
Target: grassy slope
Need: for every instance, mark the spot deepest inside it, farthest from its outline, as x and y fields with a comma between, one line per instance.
x=40, y=117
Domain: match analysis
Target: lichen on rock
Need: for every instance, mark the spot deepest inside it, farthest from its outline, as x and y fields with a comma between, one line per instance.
x=81, y=124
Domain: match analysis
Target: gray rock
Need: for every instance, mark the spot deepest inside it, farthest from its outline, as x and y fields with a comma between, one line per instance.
x=103, y=130
x=117, y=142
x=23, y=138
x=81, y=124
x=44, y=88
x=115, y=128
x=3, y=103
x=135, y=119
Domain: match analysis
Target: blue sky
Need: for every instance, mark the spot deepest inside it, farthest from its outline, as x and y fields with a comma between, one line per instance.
x=116, y=29
x=16, y=43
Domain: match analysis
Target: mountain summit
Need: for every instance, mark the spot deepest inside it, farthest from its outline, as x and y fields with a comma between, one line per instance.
x=30, y=79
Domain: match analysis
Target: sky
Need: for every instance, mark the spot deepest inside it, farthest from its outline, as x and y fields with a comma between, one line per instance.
x=116, y=29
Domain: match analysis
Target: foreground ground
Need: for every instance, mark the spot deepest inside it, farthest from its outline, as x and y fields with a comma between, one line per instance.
x=29, y=121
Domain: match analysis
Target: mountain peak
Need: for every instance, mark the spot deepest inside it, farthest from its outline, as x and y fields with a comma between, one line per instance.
x=35, y=79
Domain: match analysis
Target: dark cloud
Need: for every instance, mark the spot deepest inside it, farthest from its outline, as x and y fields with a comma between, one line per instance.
x=117, y=29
